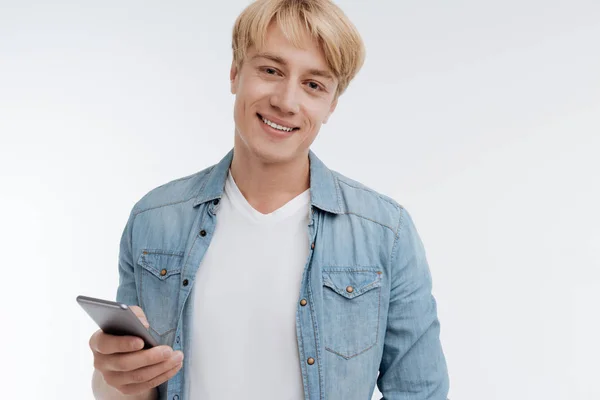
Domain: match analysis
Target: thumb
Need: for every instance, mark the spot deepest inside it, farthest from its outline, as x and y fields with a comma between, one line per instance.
x=140, y=314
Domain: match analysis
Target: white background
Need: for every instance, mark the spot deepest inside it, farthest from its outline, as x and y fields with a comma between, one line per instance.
x=481, y=118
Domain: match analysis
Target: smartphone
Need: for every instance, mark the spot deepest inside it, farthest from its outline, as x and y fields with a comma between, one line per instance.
x=116, y=319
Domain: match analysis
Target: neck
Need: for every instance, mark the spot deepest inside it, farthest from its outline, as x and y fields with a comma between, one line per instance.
x=268, y=186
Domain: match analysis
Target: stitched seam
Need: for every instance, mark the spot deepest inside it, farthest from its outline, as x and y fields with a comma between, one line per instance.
x=177, y=253
x=396, y=237
x=141, y=280
x=353, y=355
x=312, y=316
x=363, y=289
x=150, y=268
x=372, y=192
x=209, y=173
x=187, y=257
x=135, y=270
x=328, y=209
x=368, y=219
x=156, y=272
x=197, y=174
x=178, y=180
x=304, y=367
x=341, y=269
x=378, y=317
x=337, y=191
x=155, y=331
x=164, y=205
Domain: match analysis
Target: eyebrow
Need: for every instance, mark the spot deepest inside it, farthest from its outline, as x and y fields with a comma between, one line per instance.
x=280, y=60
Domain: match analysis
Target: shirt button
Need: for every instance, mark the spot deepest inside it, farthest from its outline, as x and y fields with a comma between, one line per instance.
x=176, y=397
x=163, y=272
x=310, y=361
x=349, y=289
x=177, y=339
x=312, y=246
x=185, y=282
x=202, y=233
x=216, y=201
x=303, y=302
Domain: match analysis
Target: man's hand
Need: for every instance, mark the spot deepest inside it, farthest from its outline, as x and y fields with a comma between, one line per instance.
x=129, y=369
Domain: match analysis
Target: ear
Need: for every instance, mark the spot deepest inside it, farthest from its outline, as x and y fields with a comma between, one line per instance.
x=331, y=110
x=233, y=75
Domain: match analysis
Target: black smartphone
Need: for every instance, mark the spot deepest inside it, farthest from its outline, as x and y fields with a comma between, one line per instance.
x=116, y=319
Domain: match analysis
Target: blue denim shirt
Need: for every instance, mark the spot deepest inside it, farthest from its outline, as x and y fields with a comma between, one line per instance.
x=365, y=313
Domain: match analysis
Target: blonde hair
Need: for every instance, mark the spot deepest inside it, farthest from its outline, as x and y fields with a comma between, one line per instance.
x=336, y=36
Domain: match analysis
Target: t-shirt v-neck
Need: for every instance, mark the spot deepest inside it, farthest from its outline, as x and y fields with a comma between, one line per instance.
x=301, y=201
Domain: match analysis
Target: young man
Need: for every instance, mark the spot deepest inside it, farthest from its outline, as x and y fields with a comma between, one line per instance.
x=276, y=277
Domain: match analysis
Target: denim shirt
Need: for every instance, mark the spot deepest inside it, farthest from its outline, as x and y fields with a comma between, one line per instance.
x=365, y=314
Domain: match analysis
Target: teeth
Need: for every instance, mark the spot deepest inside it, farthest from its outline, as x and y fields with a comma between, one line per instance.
x=274, y=125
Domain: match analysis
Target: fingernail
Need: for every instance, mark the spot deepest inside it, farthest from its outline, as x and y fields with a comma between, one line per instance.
x=167, y=353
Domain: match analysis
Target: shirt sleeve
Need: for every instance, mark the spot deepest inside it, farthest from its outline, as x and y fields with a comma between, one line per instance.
x=127, y=290
x=413, y=366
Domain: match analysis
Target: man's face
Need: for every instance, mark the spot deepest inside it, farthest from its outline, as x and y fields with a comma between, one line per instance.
x=284, y=85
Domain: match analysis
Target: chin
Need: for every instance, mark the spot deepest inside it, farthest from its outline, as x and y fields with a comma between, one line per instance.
x=272, y=155
x=257, y=144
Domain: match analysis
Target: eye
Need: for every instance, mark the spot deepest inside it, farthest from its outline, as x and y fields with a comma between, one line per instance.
x=267, y=69
x=316, y=86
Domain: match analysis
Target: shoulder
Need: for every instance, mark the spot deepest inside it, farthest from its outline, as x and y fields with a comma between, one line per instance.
x=363, y=201
x=174, y=192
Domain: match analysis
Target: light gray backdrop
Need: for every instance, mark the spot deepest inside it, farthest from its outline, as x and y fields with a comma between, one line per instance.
x=481, y=118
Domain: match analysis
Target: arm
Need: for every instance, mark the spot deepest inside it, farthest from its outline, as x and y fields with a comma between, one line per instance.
x=413, y=366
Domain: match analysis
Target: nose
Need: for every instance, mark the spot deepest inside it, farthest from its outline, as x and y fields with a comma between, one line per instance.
x=285, y=99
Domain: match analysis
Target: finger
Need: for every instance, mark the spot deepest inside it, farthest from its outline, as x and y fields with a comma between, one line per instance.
x=136, y=360
x=141, y=315
x=104, y=343
x=144, y=374
x=141, y=387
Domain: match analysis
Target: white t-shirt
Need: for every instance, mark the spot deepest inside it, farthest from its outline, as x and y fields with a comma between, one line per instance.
x=245, y=298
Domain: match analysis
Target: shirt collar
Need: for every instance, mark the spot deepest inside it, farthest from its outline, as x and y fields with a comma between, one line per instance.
x=324, y=188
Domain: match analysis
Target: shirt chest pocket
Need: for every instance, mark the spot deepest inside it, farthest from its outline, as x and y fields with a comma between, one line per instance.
x=351, y=300
x=160, y=275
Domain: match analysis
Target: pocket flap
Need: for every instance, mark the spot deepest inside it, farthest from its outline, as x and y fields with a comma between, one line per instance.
x=161, y=263
x=351, y=282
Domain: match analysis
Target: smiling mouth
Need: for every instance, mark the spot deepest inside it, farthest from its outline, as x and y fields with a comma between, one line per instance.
x=275, y=126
